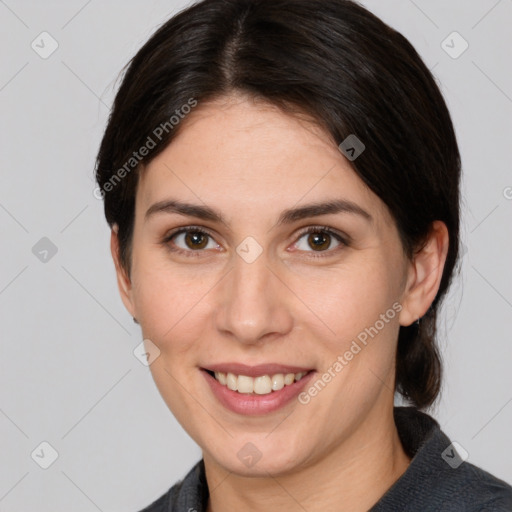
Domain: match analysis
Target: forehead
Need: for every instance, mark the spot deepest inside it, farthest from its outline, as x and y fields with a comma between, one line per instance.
x=239, y=153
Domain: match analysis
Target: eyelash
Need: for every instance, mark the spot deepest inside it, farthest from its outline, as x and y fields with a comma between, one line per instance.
x=197, y=229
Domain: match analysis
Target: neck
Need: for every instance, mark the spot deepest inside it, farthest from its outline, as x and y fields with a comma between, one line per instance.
x=351, y=477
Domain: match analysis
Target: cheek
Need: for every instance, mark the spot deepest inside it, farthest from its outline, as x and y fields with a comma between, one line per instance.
x=347, y=299
x=170, y=305
x=335, y=304
x=356, y=329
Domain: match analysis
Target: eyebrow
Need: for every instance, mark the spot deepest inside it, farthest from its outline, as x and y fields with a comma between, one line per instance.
x=286, y=217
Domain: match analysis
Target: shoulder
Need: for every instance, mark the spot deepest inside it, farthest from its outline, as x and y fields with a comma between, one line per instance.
x=439, y=478
x=165, y=502
x=159, y=505
x=189, y=493
x=476, y=490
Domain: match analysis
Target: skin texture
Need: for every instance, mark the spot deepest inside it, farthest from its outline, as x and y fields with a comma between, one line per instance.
x=251, y=161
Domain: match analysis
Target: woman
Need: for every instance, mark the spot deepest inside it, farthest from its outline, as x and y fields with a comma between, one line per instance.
x=282, y=183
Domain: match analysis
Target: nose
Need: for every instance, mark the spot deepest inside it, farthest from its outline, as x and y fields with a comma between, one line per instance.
x=253, y=302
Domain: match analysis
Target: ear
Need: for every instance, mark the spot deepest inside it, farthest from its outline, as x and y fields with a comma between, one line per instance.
x=424, y=275
x=123, y=279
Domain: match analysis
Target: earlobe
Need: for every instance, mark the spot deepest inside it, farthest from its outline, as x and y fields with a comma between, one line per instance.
x=425, y=274
x=123, y=280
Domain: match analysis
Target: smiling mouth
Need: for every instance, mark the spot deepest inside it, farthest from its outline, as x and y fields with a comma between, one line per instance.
x=260, y=385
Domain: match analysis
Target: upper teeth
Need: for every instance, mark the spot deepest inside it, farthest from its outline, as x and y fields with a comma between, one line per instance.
x=260, y=385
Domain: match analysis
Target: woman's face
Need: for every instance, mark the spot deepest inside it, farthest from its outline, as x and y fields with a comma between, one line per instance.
x=257, y=289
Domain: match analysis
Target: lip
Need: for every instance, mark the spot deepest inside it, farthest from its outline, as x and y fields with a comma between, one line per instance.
x=252, y=404
x=257, y=370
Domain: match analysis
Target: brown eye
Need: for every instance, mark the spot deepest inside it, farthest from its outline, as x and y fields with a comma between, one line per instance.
x=196, y=239
x=190, y=240
x=319, y=240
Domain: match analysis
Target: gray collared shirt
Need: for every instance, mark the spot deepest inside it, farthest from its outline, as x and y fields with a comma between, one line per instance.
x=437, y=479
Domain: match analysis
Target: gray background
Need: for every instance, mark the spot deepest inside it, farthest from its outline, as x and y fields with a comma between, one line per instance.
x=68, y=375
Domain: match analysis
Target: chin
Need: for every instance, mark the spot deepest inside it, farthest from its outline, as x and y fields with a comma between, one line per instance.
x=257, y=458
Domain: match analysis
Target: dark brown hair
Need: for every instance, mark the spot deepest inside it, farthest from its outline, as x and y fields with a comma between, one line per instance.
x=332, y=60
